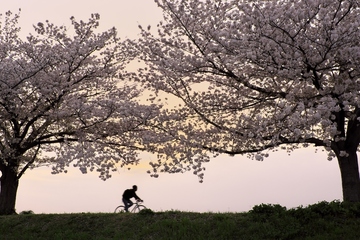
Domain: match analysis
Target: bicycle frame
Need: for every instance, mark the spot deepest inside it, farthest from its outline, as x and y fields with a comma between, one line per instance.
x=135, y=208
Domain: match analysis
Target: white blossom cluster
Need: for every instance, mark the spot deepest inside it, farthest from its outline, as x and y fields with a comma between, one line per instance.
x=233, y=77
x=64, y=102
x=249, y=76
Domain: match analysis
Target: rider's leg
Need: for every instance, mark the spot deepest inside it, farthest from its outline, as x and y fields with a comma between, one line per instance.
x=127, y=203
x=130, y=203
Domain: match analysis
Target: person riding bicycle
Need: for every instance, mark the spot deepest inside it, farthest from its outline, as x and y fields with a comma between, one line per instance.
x=130, y=193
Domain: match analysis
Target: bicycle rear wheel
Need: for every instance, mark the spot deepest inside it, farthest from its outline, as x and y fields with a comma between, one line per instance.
x=119, y=209
x=138, y=208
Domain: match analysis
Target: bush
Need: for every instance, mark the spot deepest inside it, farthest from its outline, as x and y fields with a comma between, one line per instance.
x=325, y=209
x=352, y=209
x=146, y=211
x=26, y=212
x=268, y=209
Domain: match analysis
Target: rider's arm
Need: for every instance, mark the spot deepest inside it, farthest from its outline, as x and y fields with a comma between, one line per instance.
x=137, y=198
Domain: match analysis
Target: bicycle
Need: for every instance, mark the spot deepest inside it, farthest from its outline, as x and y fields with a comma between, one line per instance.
x=135, y=208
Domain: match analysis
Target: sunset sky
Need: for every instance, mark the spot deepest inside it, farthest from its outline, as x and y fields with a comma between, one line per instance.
x=231, y=184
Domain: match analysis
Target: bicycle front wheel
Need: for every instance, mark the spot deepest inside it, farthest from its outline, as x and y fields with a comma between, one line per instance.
x=119, y=209
x=138, y=208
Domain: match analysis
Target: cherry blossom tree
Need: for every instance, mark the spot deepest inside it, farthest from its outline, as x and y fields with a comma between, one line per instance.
x=250, y=77
x=62, y=102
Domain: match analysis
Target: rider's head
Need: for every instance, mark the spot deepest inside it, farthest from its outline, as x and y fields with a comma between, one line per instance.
x=135, y=187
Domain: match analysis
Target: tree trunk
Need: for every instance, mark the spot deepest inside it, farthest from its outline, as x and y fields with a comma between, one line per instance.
x=350, y=177
x=8, y=191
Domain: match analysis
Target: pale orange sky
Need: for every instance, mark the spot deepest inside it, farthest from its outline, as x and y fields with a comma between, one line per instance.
x=230, y=184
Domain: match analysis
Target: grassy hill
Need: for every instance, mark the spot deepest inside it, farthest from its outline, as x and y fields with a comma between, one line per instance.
x=324, y=220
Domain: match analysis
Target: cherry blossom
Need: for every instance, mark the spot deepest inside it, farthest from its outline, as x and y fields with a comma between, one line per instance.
x=249, y=77
x=64, y=102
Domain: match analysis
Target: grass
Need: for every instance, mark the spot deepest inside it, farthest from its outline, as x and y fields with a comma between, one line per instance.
x=324, y=220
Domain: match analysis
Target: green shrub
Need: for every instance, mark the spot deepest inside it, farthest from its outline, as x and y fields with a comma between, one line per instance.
x=146, y=211
x=268, y=209
x=327, y=209
x=27, y=212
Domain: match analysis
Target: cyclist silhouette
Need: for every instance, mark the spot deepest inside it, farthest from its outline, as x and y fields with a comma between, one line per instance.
x=130, y=193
